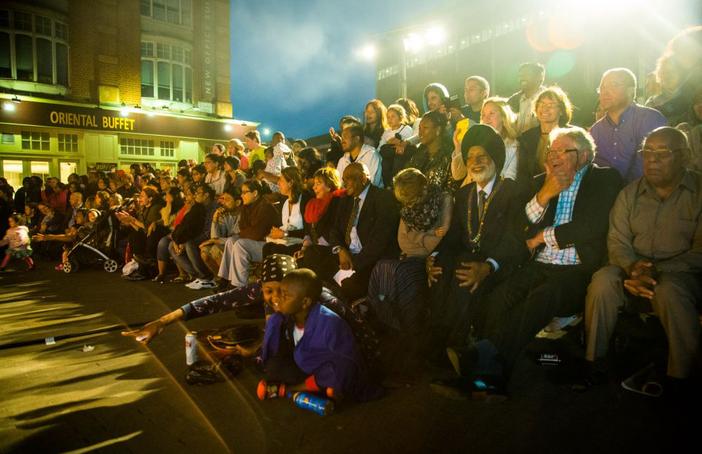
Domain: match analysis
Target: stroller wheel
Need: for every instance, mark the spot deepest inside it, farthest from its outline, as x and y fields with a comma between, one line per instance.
x=70, y=266
x=110, y=265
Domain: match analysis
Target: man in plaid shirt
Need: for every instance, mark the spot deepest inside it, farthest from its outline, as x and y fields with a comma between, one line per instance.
x=566, y=225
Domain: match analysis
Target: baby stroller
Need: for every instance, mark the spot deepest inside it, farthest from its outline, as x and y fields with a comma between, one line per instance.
x=94, y=245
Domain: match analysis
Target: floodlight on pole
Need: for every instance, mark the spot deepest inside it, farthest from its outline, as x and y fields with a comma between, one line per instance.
x=413, y=43
x=367, y=52
x=435, y=36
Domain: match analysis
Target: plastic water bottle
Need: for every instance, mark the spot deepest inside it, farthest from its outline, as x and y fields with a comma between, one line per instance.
x=312, y=402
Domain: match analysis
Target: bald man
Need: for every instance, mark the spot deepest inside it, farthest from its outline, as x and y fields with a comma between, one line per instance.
x=655, y=253
x=364, y=231
x=619, y=133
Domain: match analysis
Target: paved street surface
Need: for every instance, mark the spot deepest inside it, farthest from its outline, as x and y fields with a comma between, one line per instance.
x=124, y=397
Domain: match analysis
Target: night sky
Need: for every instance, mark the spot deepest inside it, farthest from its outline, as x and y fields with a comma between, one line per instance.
x=293, y=64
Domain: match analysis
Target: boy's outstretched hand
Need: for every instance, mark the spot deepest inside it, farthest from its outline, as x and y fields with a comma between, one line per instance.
x=147, y=332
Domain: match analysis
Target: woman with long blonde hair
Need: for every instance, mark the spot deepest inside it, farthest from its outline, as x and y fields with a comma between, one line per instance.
x=497, y=113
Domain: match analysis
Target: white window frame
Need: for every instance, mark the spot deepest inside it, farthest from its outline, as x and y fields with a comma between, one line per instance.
x=185, y=63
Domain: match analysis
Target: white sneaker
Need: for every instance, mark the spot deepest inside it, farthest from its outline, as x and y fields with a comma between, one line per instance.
x=193, y=284
x=199, y=284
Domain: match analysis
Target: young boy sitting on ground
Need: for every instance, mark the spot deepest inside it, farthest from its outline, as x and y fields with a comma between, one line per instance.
x=308, y=347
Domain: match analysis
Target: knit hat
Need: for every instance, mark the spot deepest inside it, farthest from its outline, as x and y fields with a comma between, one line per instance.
x=485, y=136
x=276, y=266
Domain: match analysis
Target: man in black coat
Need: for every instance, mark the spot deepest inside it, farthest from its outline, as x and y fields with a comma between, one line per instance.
x=567, y=221
x=364, y=231
x=483, y=245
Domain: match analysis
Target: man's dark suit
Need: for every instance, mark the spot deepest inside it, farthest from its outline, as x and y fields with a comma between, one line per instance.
x=377, y=226
x=455, y=309
x=522, y=305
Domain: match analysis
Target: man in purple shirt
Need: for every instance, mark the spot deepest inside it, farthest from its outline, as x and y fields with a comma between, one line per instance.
x=620, y=133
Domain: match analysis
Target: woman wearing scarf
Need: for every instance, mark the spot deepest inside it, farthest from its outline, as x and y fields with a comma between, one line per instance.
x=319, y=212
x=398, y=287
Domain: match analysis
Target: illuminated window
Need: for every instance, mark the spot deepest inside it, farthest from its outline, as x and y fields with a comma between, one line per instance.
x=32, y=140
x=67, y=142
x=65, y=169
x=12, y=171
x=33, y=48
x=167, y=149
x=166, y=72
x=136, y=147
x=39, y=169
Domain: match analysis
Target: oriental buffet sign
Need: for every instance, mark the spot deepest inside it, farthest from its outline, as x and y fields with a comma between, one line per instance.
x=95, y=121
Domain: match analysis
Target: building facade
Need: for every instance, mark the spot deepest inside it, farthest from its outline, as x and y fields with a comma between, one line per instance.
x=107, y=83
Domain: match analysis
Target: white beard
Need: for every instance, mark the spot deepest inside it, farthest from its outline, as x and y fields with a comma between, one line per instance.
x=486, y=175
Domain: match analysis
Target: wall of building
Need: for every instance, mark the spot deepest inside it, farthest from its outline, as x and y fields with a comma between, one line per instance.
x=105, y=51
x=105, y=38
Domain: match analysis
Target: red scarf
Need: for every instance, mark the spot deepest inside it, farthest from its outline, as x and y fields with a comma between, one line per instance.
x=315, y=208
x=180, y=216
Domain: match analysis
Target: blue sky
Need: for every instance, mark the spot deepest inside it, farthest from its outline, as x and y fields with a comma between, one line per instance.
x=293, y=65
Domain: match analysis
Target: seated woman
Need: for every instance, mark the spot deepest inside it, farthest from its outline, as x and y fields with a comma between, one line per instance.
x=52, y=223
x=433, y=158
x=320, y=211
x=143, y=232
x=258, y=217
x=288, y=237
x=553, y=109
x=497, y=113
x=398, y=287
x=174, y=208
x=225, y=225
x=165, y=251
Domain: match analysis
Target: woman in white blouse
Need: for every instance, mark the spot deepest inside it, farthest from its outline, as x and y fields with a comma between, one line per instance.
x=287, y=239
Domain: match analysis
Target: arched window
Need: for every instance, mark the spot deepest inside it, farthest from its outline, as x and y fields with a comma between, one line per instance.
x=33, y=48
x=166, y=72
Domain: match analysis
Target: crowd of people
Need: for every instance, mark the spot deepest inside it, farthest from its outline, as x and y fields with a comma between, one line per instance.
x=464, y=230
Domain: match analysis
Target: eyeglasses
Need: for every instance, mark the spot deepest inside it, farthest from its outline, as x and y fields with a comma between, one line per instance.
x=560, y=153
x=661, y=154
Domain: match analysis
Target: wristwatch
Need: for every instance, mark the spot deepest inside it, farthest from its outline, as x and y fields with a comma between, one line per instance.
x=336, y=249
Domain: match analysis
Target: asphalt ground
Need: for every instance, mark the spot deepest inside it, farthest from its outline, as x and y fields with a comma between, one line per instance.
x=124, y=397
